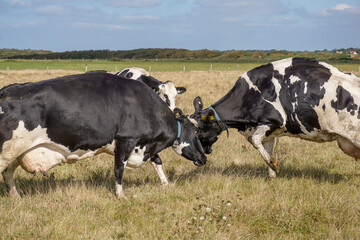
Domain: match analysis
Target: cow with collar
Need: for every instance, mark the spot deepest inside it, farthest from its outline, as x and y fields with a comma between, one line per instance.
x=295, y=97
x=62, y=120
x=167, y=91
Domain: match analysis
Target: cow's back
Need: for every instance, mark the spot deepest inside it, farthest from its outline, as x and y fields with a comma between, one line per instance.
x=83, y=111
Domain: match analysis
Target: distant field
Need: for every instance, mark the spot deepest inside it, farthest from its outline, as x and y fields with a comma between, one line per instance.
x=316, y=194
x=151, y=66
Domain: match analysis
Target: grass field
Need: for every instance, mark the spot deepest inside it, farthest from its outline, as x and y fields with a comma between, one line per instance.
x=316, y=194
x=151, y=66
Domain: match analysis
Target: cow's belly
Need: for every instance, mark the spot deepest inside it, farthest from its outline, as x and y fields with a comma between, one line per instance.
x=41, y=160
x=136, y=158
x=46, y=156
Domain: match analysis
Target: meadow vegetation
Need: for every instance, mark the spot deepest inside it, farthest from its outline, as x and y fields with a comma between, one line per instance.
x=316, y=194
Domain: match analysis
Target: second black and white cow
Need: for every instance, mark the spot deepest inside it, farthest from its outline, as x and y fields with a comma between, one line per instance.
x=66, y=119
x=167, y=91
x=292, y=97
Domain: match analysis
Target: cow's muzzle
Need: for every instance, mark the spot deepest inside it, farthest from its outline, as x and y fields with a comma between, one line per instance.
x=200, y=162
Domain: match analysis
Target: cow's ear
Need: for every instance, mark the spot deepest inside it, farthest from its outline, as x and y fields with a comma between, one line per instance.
x=178, y=113
x=210, y=117
x=198, y=104
x=180, y=90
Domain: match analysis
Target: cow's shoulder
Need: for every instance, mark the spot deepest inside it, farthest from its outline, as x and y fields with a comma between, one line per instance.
x=261, y=78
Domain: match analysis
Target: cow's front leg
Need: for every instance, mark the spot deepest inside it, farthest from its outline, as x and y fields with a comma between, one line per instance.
x=257, y=141
x=8, y=176
x=123, y=148
x=157, y=164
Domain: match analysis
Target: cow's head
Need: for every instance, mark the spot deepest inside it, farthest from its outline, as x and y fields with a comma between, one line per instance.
x=166, y=90
x=187, y=143
x=209, y=128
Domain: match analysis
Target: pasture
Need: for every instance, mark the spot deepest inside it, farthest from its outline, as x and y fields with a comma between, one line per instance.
x=316, y=194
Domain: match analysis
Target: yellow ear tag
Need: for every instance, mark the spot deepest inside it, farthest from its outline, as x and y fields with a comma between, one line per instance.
x=203, y=117
x=211, y=118
x=154, y=90
x=200, y=103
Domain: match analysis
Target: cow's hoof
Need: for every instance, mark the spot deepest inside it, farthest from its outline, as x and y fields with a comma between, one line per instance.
x=121, y=197
x=164, y=184
x=14, y=194
x=271, y=173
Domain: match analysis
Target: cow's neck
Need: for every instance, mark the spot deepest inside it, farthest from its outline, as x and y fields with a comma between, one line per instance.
x=233, y=108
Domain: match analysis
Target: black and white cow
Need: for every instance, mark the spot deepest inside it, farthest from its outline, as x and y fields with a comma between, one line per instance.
x=292, y=97
x=66, y=119
x=166, y=90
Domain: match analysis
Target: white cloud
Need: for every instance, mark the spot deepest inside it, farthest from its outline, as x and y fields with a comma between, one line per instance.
x=341, y=7
x=22, y=3
x=135, y=3
x=338, y=9
x=50, y=9
x=141, y=17
x=97, y=25
x=28, y=24
x=117, y=27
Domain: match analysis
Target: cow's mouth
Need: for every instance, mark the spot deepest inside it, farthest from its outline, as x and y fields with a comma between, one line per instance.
x=199, y=163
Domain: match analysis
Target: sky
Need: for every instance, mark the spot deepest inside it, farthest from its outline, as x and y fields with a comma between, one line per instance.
x=67, y=25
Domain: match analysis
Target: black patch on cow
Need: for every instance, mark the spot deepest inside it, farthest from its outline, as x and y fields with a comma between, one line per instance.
x=261, y=77
x=129, y=75
x=300, y=95
x=167, y=99
x=344, y=100
x=150, y=81
x=323, y=107
x=243, y=107
x=123, y=73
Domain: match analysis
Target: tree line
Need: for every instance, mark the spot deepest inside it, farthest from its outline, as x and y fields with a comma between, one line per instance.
x=181, y=54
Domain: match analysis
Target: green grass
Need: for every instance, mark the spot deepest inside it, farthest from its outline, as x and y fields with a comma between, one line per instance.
x=315, y=196
x=152, y=66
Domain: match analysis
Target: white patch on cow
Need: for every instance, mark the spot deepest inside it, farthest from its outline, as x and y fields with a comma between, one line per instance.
x=193, y=121
x=305, y=87
x=251, y=85
x=22, y=140
x=179, y=147
x=137, y=72
x=281, y=65
x=136, y=158
x=37, y=153
x=277, y=104
x=168, y=89
x=161, y=174
x=1, y=111
x=294, y=79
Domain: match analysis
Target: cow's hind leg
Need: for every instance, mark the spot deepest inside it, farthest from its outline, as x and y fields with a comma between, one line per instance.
x=269, y=147
x=123, y=148
x=257, y=140
x=8, y=175
x=157, y=164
